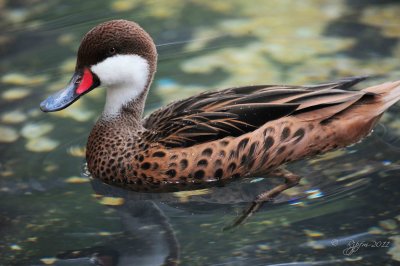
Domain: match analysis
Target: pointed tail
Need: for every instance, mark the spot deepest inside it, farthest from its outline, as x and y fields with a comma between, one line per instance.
x=358, y=120
x=386, y=95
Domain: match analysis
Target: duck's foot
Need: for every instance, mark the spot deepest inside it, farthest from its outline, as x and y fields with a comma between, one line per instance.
x=291, y=180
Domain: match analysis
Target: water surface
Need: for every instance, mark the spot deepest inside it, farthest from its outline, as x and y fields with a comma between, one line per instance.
x=51, y=214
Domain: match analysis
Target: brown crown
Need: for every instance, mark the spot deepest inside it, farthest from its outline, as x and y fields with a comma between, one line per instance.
x=116, y=37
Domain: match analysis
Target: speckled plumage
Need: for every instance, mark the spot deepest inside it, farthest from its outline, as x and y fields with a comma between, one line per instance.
x=170, y=151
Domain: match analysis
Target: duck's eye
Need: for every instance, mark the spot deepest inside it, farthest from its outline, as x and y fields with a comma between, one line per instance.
x=112, y=50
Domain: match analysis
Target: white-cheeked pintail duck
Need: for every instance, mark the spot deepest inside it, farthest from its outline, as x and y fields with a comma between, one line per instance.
x=211, y=138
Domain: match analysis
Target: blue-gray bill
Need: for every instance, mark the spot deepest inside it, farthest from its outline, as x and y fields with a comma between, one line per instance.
x=81, y=83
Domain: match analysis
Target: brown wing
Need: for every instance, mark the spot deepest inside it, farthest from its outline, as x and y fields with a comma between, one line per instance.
x=232, y=112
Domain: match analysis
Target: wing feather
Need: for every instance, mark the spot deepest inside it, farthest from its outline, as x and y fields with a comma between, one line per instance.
x=232, y=112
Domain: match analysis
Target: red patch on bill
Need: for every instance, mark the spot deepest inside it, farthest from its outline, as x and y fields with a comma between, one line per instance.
x=86, y=82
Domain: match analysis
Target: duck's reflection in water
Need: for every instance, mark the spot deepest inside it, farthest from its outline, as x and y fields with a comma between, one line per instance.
x=148, y=238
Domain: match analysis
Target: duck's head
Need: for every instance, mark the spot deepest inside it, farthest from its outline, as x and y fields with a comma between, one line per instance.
x=118, y=55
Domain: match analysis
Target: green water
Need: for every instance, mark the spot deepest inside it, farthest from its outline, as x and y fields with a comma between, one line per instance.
x=49, y=209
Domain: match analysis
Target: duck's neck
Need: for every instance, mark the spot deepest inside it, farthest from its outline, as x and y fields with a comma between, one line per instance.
x=125, y=104
x=124, y=97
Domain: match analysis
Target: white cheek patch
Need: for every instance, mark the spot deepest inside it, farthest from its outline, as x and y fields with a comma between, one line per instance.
x=125, y=77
